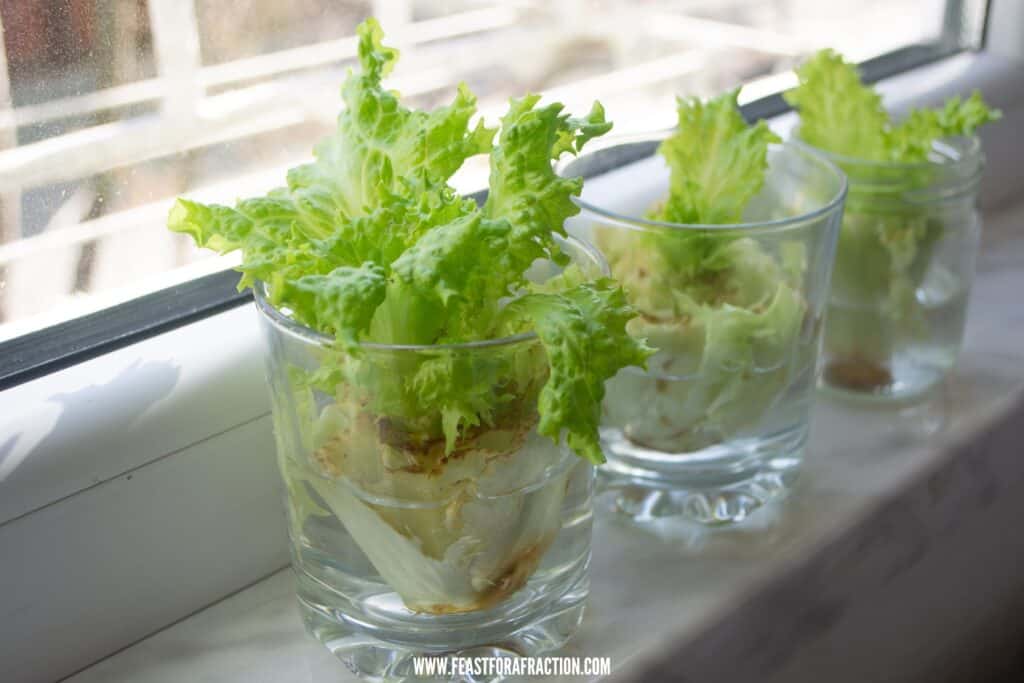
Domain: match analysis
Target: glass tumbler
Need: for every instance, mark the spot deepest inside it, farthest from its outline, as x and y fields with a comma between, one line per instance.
x=715, y=427
x=903, y=272
x=403, y=546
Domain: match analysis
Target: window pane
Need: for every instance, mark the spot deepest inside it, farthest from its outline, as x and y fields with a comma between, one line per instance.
x=72, y=64
x=111, y=108
x=259, y=27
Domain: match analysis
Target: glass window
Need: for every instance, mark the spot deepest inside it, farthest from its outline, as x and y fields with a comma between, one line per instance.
x=111, y=108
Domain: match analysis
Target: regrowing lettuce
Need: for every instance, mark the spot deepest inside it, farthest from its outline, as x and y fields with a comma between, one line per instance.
x=717, y=162
x=368, y=243
x=842, y=115
x=890, y=233
x=722, y=310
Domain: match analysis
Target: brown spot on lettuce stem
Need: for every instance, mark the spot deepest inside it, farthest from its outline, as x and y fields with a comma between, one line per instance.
x=858, y=374
x=507, y=581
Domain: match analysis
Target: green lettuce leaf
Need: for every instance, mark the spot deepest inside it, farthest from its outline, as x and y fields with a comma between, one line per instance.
x=841, y=114
x=584, y=334
x=911, y=140
x=717, y=162
x=212, y=226
x=837, y=112
x=380, y=148
x=342, y=302
x=524, y=189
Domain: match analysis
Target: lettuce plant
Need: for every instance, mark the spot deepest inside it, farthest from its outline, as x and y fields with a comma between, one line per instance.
x=888, y=237
x=722, y=311
x=369, y=243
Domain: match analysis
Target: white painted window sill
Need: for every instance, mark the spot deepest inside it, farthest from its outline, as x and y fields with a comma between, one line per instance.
x=878, y=522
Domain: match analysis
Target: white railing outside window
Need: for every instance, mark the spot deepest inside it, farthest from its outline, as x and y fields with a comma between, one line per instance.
x=86, y=178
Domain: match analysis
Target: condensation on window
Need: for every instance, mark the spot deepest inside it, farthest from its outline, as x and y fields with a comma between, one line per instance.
x=111, y=108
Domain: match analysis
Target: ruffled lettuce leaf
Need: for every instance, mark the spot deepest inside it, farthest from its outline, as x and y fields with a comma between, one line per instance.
x=369, y=242
x=341, y=303
x=210, y=226
x=717, y=162
x=912, y=138
x=584, y=334
x=841, y=114
x=380, y=148
x=837, y=112
x=524, y=189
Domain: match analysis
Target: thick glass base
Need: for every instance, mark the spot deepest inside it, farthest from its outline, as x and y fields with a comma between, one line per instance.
x=388, y=653
x=899, y=421
x=721, y=484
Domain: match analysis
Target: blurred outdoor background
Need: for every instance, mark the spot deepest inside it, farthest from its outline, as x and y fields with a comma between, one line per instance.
x=111, y=108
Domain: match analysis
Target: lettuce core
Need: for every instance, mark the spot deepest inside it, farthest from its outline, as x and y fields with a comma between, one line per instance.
x=722, y=309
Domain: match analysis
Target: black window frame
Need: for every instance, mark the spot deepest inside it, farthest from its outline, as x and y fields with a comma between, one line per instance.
x=74, y=341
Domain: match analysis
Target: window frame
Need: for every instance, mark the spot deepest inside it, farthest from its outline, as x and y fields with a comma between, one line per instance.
x=74, y=341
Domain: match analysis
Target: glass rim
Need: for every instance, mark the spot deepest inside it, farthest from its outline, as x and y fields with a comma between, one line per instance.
x=291, y=326
x=751, y=226
x=972, y=151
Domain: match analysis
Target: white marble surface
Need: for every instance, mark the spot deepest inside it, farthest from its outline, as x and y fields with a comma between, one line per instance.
x=653, y=588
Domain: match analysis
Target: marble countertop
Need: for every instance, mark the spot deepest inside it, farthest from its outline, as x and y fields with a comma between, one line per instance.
x=880, y=489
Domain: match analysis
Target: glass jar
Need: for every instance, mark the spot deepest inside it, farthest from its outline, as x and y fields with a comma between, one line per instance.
x=404, y=545
x=903, y=272
x=715, y=427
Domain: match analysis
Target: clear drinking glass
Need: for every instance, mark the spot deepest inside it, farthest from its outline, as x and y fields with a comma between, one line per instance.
x=402, y=550
x=716, y=425
x=903, y=272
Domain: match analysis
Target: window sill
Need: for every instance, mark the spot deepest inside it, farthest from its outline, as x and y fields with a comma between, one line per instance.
x=882, y=521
